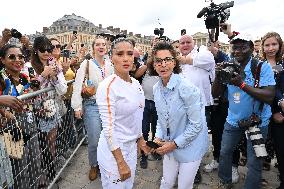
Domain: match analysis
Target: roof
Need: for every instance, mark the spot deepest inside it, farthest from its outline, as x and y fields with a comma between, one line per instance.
x=73, y=20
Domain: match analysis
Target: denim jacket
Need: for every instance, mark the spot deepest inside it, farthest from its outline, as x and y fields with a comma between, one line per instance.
x=180, y=109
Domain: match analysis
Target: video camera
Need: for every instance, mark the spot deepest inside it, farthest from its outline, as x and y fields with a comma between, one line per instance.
x=160, y=33
x=16, y=34
x=227, y=72
x=214, y=15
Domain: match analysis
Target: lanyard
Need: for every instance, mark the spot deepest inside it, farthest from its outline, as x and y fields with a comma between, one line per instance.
x=103, y=71
x=168, y=113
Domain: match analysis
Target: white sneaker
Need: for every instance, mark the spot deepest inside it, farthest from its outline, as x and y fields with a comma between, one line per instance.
x=211, y=166
x=235, y=175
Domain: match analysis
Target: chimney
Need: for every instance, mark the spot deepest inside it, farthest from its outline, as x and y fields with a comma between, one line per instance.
x=117, y=30
x=45, y=30
x=138, y=35
x=110, y=28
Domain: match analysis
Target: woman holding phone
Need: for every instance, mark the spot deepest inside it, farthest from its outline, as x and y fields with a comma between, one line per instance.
x=49, y=73
x=181, y=127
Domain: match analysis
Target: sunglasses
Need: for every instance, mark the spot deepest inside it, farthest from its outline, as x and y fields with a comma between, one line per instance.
x=43, y=50
x=58, y=46
x=13, y=57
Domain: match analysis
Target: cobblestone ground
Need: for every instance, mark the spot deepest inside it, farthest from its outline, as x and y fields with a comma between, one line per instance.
x=75, y=176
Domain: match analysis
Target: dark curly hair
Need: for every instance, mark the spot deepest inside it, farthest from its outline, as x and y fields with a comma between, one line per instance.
x=162, y=45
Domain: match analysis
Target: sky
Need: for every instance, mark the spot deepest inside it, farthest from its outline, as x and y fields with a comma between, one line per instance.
x=255, y=17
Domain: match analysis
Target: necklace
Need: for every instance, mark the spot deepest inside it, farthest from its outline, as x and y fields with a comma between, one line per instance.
x=102, y=69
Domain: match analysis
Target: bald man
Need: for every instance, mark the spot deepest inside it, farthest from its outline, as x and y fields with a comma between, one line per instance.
x=198, y=67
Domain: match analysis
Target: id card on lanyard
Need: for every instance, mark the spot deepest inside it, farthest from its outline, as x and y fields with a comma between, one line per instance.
x=167, y=116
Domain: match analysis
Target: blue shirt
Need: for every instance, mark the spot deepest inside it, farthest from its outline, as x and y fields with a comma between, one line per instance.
x=180, y=109
x=242, y=105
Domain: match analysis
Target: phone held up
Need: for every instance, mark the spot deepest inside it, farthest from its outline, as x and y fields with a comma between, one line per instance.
x=66, y=55
x=75, y=33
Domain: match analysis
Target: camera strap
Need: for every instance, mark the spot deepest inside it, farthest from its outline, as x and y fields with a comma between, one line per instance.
x=256, y=69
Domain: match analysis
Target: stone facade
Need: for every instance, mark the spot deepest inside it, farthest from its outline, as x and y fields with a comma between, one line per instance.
x=63, y=28
x=203, y=39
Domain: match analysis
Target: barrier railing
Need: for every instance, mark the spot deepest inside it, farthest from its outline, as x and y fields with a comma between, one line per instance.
x=38, y=143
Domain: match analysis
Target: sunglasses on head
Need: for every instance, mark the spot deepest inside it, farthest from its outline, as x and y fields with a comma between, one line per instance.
x=58, y=46
x=43, y=50
x=14, y=57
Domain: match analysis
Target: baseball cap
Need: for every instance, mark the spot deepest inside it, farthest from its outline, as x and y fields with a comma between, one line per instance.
x=242, y=36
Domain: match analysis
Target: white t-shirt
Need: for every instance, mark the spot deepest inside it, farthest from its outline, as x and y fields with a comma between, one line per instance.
x=121, y=106
x=201, y=73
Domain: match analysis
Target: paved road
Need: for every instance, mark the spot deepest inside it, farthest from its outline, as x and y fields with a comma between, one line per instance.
x=75, y=176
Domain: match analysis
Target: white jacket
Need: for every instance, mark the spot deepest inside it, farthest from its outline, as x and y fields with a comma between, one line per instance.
x=95, y=75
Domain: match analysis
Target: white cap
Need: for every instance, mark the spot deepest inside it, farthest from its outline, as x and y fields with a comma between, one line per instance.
x=243, y=36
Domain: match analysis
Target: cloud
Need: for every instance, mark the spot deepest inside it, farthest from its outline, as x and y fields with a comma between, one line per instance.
x=253, y=16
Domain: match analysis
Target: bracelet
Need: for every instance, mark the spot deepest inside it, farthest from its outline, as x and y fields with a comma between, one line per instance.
x=242, y=85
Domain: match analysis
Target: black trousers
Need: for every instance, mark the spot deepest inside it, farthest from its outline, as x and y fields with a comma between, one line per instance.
x=218, y=118
x=277, y=132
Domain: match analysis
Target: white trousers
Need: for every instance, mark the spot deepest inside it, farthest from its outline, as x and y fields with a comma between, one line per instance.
x=184, y=171
x=110, y=177
x=112, y=181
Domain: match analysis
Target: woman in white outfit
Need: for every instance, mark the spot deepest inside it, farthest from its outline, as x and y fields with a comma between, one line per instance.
x=121, y=103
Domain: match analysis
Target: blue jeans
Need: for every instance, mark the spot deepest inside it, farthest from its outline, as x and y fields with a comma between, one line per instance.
x=230, y=138
x=149, y=116
x=93, y=126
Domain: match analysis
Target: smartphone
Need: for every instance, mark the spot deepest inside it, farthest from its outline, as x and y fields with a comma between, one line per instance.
x=74, y=32
x=152, y=144
x=51, y=61
x=182, y=32
x=66, y=55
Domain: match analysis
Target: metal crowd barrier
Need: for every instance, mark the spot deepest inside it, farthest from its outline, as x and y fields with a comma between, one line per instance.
x=37, y=144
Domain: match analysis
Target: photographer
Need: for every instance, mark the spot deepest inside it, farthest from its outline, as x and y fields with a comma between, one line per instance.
x=219, y=112
x=245, y=99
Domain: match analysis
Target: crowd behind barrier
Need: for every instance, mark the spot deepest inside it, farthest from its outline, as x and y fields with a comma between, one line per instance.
x=25, y=158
